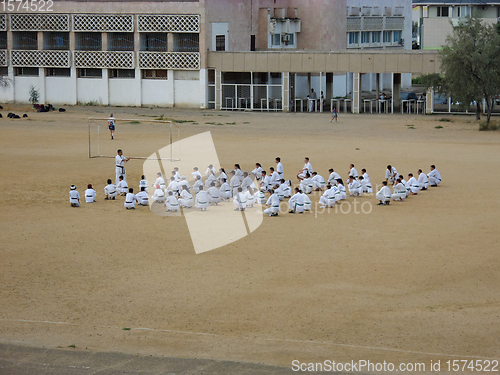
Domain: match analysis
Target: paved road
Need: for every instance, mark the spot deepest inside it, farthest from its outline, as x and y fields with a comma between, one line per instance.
x=17, y=360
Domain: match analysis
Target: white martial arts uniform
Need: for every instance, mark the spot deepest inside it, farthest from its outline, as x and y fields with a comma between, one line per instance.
x=211, y=178
x=238, y=172
x=355, y=188
x=366, y=177
x=158, y=196
x=366, y=186
x=225, y=191
x=354, y=173
x=342, y=192
x=260, y=197
x=307, y=168
x=274, y=203
x=74, y=196
x=296, y=203
x=306, y=185
x=280, y=170
x=177, y=176
x=120, y=168
x=201, y=202
x=250, y=198
x=318, y=182
x=265, y=184
x=407, y=187
x=172, y=203
x=307, y=202
x=221, y=177
x=110, y=190
x=434, y=177
x=399, y=192
x=333, y=177
x=392, y=174
x=129, y=200
x=210, y=169
x=414, y=186
x=286, y=189
x=234, y=184
x=174, y=187
x=257, y=172
x=196, y=173
x=423, y=181
x=186, y=199
x=280, y=193
x=142, y=198
x=213, y=195
x=143, y=184
x=384, y=194
x=247, y=181
x=184, y=182
x=274, y=179
x=240, y=201
x=196, y=186
x=329, y=197
x=90, y=195
x=160, y=181
x=122, y=187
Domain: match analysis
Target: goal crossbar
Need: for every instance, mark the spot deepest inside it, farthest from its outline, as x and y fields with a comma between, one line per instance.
x=173, y=128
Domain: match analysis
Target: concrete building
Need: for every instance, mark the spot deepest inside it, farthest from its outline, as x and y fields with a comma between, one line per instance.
x=223, y=54
x=436, y=17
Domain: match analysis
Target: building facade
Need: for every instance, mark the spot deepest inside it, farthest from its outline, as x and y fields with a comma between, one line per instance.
x=435, y=18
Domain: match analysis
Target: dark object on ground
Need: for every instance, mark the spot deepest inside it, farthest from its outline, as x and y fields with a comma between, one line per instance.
x=10, y=115
x=16, y=116
x=25, y=115
x=62, y=110
x=1, y=107
x=43, y=108
x=1, y=115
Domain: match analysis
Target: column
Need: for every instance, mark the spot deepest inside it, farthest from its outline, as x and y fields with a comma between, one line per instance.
x=396, y=90
x=320, y=90
x=171, y=85
x=105, y=79
x=286, y=91
x=429, y=101
x=73, y=70
x=10, y=68
x=218, y=89
x=138, y=76
x=41, y=71
x=356, y=92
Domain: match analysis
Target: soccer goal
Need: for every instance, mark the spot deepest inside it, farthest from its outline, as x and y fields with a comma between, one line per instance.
x=131, y=133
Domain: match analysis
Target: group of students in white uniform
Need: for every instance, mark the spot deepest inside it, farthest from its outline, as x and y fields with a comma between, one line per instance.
x=246, y=189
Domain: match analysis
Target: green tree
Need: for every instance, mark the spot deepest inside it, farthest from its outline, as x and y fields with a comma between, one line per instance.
x=470, y=63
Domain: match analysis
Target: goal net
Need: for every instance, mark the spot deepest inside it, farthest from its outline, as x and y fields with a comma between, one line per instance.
x=139, y=138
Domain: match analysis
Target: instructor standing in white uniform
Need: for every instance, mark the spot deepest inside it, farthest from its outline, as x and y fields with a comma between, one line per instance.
x=120, y=161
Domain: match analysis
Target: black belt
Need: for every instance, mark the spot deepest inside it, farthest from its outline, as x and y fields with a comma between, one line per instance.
x=112, y=192
x=129, y=202
x=89, y=196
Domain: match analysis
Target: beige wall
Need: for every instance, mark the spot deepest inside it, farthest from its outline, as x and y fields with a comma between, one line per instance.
x=133, y=7
x=420, y=62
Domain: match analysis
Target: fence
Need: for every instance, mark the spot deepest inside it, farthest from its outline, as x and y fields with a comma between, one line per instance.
x=252, y=97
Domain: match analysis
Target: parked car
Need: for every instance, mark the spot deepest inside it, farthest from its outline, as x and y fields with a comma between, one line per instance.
x=440, y=99
x=408, y=96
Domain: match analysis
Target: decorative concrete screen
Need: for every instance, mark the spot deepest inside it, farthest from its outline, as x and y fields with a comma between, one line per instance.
x=39, y=22
x=394, y=23
x=103, y=23
x=3, y=57
x=103, y=59
x=3, y=22
x=353, y=23
x=169, y=60
x=47, y=59
x=373, y=24
x=169, y=23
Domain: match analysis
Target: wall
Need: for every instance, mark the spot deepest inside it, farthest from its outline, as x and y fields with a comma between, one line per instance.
x=60, y=90
x=122, y=91
x=157, y=92
x=92, y=89
x=187, y=90
x=22, y=88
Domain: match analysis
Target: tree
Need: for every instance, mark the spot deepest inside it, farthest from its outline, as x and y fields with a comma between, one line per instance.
x=470, y=63
x=4, y=82
x=34, y=95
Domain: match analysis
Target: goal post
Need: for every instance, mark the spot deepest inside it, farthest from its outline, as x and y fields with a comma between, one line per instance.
x=98, y=128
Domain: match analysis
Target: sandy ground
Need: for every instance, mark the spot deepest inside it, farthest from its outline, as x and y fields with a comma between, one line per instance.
x=413, y=282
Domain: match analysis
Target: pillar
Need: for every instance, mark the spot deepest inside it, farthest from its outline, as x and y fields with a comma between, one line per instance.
x=73, y=70
x=218, y=89
x=286, y=91
x=429, y=101
x=396, y=90
x=356, y=92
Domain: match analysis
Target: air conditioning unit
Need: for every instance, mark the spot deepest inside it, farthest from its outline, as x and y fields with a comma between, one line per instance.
x=285, y=38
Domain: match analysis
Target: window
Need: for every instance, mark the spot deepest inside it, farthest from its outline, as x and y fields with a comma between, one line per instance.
x=387, y=36
x=25, y=40
x=88, y=41
x=157, y=42
x=121, y=73
x=154, y=74
x=396, y=36
x=276, y=40
x=186, y=42
x=30, y=72
x=442, y=11
x=3, y=39
x=120, y=41
x=288, y=39
x=365, y=37
x=353, y=38
x=375, y=36
x=55, y=41
x=220, y=42
x=89, y=73
x=58, y=72
x=4, y=71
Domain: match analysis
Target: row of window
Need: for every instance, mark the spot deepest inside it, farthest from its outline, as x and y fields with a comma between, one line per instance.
x=287, y=40
x=374, y=37
x=454, y=11
x=87, y=73
x=158, y=42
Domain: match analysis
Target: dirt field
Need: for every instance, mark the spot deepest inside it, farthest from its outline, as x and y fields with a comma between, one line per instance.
x=417, y=281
